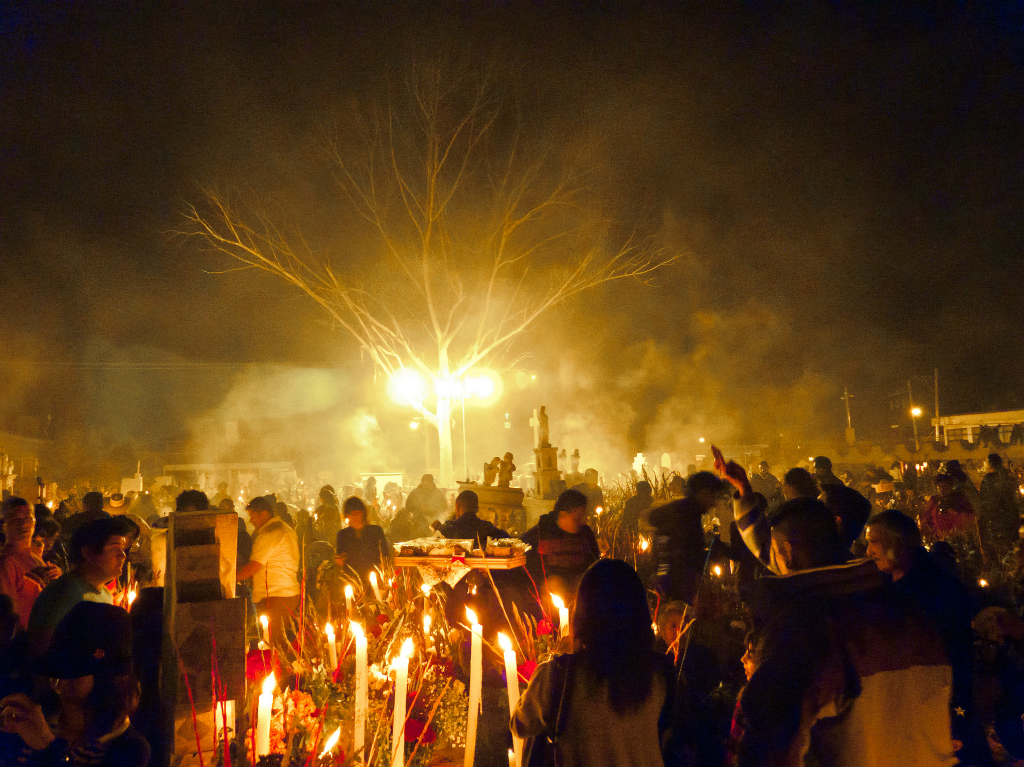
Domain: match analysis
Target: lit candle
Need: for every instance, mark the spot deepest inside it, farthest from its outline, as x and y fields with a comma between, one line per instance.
x=374, y=586
x=266, y=703
x=512, y=683
x=265, y=625
x=476, y=674
x=331, y=742
x=563, y=615
x=401, y=688
x=332, y=648
x=359, y=736
x=348, y=598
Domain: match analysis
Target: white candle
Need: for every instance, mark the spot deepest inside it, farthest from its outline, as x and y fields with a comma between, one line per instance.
x=476, y=674
x=374, y=586
x=512, y=683
x=332, y=648
x=401, y=688
x=348, y=598
x=362, y=680
x=266, y=704
x=563, y=615
x=331, y=742
x=265, y=628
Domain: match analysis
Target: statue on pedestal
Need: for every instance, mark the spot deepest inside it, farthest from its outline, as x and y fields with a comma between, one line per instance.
x=541, y=433
x=505, y=471
x=491, y=471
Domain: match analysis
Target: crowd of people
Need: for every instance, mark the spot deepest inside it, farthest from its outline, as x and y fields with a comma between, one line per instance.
x=813, y=619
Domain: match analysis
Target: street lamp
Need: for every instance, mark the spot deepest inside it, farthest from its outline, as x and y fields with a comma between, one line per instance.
x=915, y=413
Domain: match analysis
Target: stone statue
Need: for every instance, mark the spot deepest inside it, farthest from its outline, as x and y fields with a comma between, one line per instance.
x=563, y=461
x=574, y=464
x=491, y=471
x=542, y=427
x=505, y=470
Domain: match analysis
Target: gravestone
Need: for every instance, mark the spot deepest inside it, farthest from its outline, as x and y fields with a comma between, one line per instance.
x=204, y=634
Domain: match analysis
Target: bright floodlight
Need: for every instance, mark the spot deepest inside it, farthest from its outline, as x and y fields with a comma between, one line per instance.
x=407, y=387
x=482, y=386
x=915, y=411
x=448, y=388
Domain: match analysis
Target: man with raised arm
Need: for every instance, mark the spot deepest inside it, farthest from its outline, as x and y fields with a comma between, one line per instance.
x=850, y=671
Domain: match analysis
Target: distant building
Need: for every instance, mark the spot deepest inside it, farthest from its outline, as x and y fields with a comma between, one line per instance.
x=968, y=426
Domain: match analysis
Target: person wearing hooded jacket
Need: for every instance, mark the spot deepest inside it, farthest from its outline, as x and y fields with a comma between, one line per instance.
x=562, y=545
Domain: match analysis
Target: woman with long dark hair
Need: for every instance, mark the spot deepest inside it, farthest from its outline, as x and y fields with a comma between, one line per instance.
x=605, y=702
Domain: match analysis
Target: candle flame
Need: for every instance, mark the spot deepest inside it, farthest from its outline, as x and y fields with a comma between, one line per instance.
x=471, y=617
x=557, y=601
x=644, y=543
x=983, y=583
x=264, y=621
x=598, y=510
x=356, y=629
x=426, y=624
x=331, y=743
x=717, y=570
x=425, y=589
x=504, y=642
x=269, y=684
x=329, y=630
x=373, y=579
x=407, y=648
x=348, y=591
x=132, y=594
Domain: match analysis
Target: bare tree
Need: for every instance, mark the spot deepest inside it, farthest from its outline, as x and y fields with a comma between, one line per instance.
x=475, y=236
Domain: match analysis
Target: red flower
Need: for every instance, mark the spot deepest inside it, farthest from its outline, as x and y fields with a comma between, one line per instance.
x=526, y=669
x=258, y=664
x=414, y=728
x=544, y=626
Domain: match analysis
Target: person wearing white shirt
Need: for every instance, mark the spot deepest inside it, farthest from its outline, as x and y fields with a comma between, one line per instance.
x=273, y=567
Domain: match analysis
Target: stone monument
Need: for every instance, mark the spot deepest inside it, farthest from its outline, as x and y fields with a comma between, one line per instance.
x=203, y=636
x=547, y=479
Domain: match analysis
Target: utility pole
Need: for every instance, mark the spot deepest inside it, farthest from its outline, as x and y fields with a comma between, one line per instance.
x=851, y=435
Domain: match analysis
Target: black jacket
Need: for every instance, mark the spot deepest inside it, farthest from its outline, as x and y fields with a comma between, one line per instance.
x=471, y=526
x=364, y=551
x=553, y=551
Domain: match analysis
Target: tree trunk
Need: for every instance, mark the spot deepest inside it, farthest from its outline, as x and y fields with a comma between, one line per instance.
x=446, y=460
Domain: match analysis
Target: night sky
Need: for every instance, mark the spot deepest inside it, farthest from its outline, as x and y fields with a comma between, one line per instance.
x=844, y=186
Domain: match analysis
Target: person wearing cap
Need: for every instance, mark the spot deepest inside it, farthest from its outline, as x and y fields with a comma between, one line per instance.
x=273, y=566
x=140, y=547
x=98, y=554
x=89, y=664
x=679, y=537
x=823, y=472
x=23, y=573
